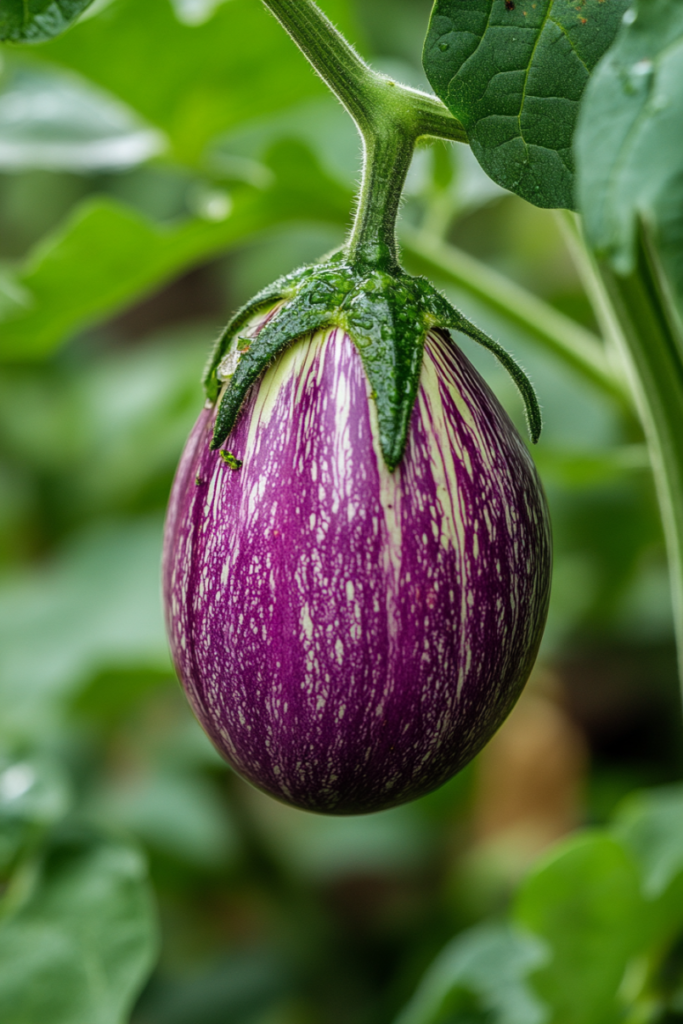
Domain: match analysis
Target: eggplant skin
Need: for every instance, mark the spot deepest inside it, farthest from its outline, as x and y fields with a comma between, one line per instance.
x=350, y=637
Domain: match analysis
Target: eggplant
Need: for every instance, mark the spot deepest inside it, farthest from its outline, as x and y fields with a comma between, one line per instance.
x=351, y=633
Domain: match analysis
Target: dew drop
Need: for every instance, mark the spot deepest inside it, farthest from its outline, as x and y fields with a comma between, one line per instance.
x=443, y=47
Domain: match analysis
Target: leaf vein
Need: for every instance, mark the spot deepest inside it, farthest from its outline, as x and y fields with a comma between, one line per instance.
x=474, y=51
x=528, y=72
x=564, y=32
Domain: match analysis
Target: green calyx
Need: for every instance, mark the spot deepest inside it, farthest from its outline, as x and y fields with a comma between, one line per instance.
x=386, y=315
x=362, y=289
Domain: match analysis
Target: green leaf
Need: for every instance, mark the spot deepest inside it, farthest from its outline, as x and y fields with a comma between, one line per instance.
x=176, y=812
x=650, y=825
x=80, y=949
x=34, y=790
x=34, y=795
x=96, y=607
x=628, y=143
x=33, y=21
x=481, y=976
x=197, y=81
x=51, y=119
x=584, y=902
x=513, y=72
x=107, y=255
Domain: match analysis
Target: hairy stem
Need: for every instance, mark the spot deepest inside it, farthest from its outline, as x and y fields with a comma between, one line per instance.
x=390, y=118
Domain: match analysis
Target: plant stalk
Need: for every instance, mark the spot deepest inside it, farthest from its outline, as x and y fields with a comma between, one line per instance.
x=652, y=350
x=390, y=119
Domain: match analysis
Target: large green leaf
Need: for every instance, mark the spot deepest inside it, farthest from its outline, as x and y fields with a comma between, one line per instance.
x=650, y=824
x=32, y=21
x=80, y=949
x=108, y=255
x=584, y=901
x=52, y=119
x=628, y=143
x=513, y=72
x=193, y=81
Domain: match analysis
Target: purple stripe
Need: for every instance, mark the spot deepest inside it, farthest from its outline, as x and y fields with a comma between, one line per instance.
x=350, y=638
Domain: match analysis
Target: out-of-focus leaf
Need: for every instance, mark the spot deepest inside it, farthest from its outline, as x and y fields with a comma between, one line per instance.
x=116, y=424
x=322, y=847
x=628, y=143
x=513, y=74
x=584, y=901
x=583, y=469
x=34, y=794
x=97, y=606
x=32, y=21
x=135, y=409
x=650, y=825
x=107, y=255
x=33, y=789
x=174, y=812
x=320, y=123
x=195, y=12
x=80, y=949
x=482, y=976
x=56, y=121
x=13, y=297
x=244, y=987
x=197, y=81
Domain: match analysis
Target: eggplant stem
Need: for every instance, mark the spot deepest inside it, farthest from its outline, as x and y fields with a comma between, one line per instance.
x=390, y=118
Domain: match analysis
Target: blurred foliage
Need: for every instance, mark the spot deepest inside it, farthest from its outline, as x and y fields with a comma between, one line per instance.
x=160, y=162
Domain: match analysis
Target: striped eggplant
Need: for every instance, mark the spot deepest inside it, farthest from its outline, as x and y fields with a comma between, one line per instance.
x=350, y=633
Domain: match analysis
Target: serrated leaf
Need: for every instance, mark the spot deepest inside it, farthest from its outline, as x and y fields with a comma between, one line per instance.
x=33, y=21
x=628, y=143
x=513, y=72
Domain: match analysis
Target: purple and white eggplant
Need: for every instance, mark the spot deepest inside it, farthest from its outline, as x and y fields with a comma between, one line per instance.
x=357, y=550
x=350, y=635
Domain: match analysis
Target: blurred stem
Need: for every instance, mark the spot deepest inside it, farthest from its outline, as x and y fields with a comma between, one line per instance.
x=390, y=118
x=636, y=309
x=24, y=878
x=653, y=354
x=610, y=328
x=577, y=347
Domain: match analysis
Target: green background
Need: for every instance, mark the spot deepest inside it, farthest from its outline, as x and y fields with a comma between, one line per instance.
x=156, y=169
